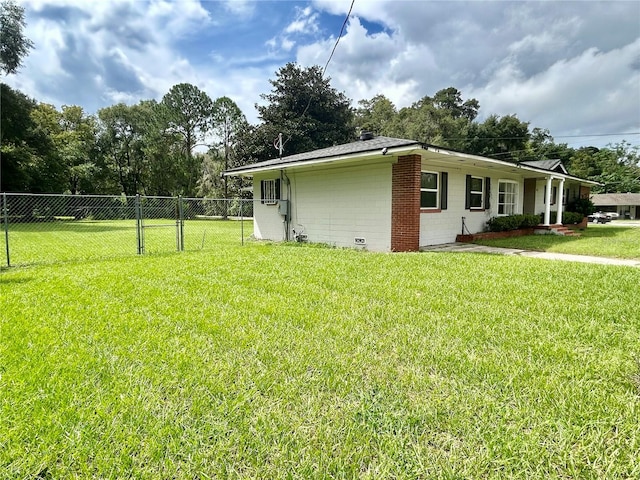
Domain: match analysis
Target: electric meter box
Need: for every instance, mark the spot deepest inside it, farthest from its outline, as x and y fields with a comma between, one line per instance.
x=283, y=207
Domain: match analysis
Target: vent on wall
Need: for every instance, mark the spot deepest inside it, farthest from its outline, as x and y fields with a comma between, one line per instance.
x=360, y=241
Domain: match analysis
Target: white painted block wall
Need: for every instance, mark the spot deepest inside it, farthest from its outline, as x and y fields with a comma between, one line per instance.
x=268, y=224
x=442, y=227
x=333, y=206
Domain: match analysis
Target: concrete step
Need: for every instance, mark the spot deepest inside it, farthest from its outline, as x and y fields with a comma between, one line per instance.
x=556, y=230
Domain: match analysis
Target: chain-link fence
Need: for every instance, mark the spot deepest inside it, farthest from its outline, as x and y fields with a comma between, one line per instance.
x=57, y=228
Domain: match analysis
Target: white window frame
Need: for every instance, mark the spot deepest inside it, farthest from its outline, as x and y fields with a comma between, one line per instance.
x=476, y=192
x=432, y=190
x=268, y=196
x=513, y=204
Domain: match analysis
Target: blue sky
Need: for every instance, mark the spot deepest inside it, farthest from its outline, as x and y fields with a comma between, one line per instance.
x=571, y=67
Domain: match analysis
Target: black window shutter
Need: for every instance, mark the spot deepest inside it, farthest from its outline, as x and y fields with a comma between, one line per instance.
x=262, y=182
x=277, y=189
x=444, y=185
x=467, y=201
x=487, y=193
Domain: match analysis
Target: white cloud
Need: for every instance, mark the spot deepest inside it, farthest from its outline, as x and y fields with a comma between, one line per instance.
x=365, y=65
x=589, y=93
x=570, y=67
x=240, y=7
x=178, y=18
x=287, y=44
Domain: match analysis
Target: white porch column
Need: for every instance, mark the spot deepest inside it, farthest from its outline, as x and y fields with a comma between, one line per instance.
x=547, y=203
x=559, y=201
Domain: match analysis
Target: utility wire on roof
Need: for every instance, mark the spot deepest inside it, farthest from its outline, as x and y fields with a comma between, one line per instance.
x=512, y=152
x=554, y=136
x=324, y=70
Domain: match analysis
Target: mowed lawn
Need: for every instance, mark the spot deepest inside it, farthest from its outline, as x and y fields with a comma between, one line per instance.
x=609, y=240
x=288, y=361
x=64, y=241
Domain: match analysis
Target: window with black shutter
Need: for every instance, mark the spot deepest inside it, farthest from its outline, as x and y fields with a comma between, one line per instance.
x=475, y=193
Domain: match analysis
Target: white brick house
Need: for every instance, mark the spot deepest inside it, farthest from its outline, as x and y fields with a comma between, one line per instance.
x=390, y=194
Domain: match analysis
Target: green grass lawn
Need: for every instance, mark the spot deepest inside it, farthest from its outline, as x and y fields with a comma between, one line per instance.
x=62, y=241
x=599, y=240
x=289, y=361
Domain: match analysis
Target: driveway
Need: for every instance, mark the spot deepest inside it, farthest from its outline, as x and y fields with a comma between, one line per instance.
x=624, y=223
x=472, y=248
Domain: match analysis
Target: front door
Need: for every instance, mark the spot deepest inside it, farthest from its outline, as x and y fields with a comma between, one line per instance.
x=529, y=197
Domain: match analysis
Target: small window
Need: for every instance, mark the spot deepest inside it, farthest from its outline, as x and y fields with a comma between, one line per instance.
x=476, y=193
x=429, y=190
x=507, y=197
x=270, y=191
x=554, y=195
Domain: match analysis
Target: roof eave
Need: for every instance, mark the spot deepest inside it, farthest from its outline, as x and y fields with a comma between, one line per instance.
x=373, y=153
x=502, y=163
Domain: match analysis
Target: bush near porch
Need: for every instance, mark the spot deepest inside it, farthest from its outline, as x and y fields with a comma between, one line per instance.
x=517, y=222
x=512, y=222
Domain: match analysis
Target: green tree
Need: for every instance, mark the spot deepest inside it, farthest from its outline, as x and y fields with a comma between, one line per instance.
x=228, y=121
x=504, y=138
x=187, y=112
x=443, y=119
x=14, y=46
x=29, y=161
x=419, y=122
x=376, y=115
x=211, y=183
x=77, y=146
x=542, y=146
x=450, y=100
x=121, y=143
x=616, y=167
x=305, y=108
x=160, y=149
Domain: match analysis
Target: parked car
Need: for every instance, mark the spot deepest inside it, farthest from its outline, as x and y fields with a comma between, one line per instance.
x=599, y=217
x=612, y=215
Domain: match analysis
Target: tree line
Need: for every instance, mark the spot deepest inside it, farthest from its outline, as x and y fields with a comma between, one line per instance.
x=447, y=120
x=181, y=144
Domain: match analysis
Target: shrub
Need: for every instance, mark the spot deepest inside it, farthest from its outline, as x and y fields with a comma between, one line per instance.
x=583, y=206
x=529, y=221
x=512, y=222
x=568, y=218
x=571, y=217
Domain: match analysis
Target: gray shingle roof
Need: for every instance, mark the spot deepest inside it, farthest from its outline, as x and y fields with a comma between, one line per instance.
x=606, y=199
x=551, y=165
x=376, y=143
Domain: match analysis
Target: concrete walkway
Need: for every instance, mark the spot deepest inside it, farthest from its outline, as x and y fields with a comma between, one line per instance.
x=472, y=248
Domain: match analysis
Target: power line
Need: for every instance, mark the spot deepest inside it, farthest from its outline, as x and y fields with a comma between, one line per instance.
x=596, y=135
x=326, y=65
x=346, y=19
x=528, y=137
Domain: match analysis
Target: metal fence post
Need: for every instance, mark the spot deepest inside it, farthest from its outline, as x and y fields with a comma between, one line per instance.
x=6, y=226
x=139, y=232
x=180, y=225
x=241, y=221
